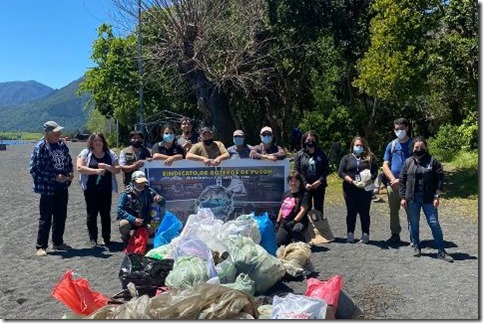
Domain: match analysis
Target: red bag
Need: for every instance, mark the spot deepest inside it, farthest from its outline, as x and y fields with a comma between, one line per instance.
x=327, y=290
x=77, y=295
x=138, y=242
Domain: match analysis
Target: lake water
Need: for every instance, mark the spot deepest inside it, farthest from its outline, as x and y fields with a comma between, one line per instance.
x=15, y=142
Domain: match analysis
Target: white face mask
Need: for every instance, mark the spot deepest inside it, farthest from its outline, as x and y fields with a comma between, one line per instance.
x=400, y=134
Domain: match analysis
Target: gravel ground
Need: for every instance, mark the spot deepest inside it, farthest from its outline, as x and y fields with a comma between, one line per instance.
x=386, y=282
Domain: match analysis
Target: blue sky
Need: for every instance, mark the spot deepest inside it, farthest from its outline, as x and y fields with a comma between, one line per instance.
x=49, y=41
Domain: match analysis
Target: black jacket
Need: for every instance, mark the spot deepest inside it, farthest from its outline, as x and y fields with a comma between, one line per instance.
x=321, y=167
x=432, y=178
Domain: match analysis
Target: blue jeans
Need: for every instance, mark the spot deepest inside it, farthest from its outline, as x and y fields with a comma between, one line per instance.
x=431, y=213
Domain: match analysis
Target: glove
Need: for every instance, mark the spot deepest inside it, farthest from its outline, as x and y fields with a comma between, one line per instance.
x=277, y=226
x=290, y=224
x=359, y=184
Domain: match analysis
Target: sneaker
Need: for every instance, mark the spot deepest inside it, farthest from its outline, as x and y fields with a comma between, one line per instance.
x=92, y=243
x=444, y=255
x=416, y=251
x=41, y=252
x=62, y=246
x=365, y=237
x=394, y=239
x=350, y=237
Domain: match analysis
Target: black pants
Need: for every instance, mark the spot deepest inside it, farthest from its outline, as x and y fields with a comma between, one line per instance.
x=286, y=234
x=98, y=202
x=357, y=201
x=318, y=197
x=53, y=212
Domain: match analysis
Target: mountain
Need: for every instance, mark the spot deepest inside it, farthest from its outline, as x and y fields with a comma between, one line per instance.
x=13, y=93
x=63, y=106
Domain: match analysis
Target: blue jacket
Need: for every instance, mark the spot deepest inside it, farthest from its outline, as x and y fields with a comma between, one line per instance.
x=132, y=206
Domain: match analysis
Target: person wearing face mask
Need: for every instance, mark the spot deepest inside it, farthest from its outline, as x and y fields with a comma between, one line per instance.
x=357, y=197
x=240, y=148
x=134, y=206
x=131, y=158
x=312, y=163
x=397, y=151
x=420, y=186
x=168, y=149
x=267, y=149
x=208, y=151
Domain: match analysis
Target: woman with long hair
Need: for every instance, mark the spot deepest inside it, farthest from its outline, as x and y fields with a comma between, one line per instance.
x=168, y=150
x=353, y=169
x=98, y=166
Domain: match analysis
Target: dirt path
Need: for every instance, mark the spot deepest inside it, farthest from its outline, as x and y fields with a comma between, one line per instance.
x=388, y=283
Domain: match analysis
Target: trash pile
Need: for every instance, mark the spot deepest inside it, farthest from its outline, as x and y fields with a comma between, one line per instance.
x=210, y=269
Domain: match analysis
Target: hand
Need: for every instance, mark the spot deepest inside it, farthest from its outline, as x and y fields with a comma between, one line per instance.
x=404, y=204
x=395, y=184
x=436, y=202
x=207, y=162
x=358, y=184
x=61, y=178
x=100, y=172
x=138, y=222
x=308, y=187
x=157, y=198
x=150, y=159
x=70, y=177
x=169, y=161
x=139, y=164
x=102, y=166
x=215, y=162
x=272, y=158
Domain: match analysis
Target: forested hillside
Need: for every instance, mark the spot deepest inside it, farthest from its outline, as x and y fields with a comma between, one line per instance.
x=13, y=93
x=63, y=105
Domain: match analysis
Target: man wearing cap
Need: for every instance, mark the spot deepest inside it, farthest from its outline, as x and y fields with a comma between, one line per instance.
x=208, y=151
x=240, y=149
x=267, y=149
x=131, y=158
x=134, y=206
x=52, y=171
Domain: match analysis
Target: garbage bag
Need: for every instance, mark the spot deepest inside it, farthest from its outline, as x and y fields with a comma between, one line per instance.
x=295, y=258
x=244, y=284
x=160, y=252
x=77, y=295
x=226, y=270
x=168, y=229
x=145, y=272
x=203, y=223
x=328, y=290
x=250, y=258
x=138, y=242
x=267, y=232
x=245, y=225
x=294, y=306
x=193, y=246
x=187, y=271
x=203, y=301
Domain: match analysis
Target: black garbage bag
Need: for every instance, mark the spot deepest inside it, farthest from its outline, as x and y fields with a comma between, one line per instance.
x=146, y=273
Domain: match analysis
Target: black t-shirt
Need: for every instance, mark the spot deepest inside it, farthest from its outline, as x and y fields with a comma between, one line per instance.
x=175, y=149
x=291, y=203
x=97, y=182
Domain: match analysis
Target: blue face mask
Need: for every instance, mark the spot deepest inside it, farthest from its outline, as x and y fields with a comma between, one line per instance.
x=168, y=137
x=358, y=150
x=266, y=139
x=238, y=141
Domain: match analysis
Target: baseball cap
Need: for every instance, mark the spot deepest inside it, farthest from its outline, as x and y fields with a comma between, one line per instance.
x=206, y=129
x=266, y=129
x=238, y=133
x=52, y=126
x=139, y=177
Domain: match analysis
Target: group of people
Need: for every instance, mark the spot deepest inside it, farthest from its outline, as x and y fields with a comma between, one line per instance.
x=414, y=181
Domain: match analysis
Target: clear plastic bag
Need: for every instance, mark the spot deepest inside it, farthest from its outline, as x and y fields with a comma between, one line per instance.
x=300, y=307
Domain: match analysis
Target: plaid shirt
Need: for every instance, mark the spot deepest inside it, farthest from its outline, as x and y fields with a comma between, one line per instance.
x=43, y=171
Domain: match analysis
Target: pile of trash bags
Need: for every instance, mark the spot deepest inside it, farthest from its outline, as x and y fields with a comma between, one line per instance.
x=210, y=269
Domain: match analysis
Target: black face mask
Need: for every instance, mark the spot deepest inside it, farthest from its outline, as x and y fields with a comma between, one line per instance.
x=420, y=153
x=310, y=144
x=136, y=143
x=208, y=142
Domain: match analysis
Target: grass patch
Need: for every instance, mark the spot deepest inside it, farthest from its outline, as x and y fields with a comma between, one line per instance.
x=21, y=135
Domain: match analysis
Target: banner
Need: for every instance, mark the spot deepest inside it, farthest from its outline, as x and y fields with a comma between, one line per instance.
x=234, y=187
